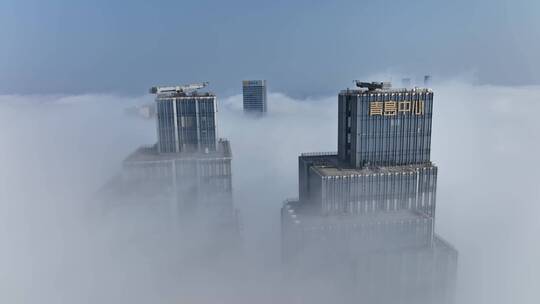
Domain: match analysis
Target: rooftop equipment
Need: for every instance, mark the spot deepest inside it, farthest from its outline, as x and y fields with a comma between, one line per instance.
x=177, y=89
x=371, y=86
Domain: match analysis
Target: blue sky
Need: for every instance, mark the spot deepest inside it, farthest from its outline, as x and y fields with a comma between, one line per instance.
x=302, y=47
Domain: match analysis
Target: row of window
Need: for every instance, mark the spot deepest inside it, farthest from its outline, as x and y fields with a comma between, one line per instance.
x=425, y=202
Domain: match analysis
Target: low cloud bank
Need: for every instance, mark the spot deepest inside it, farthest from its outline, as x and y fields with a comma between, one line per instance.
x=56, y=151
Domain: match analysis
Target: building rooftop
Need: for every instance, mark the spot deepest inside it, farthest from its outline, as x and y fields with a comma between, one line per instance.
x=309, y=218
x=253, y=82
x=332, y=170
x=184, y=94
x=366, y=92
x=328, y=164
x=150, y=153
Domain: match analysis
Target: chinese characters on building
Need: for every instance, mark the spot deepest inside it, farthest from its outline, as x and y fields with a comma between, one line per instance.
x=393, y=108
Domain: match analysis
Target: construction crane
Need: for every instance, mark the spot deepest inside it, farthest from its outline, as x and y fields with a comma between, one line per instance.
x=177, y=89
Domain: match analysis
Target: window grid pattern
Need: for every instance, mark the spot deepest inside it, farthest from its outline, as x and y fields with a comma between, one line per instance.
x=386, y=192
x=381, y=140
x=193, y=128
x=254, y=98
x=165, y=126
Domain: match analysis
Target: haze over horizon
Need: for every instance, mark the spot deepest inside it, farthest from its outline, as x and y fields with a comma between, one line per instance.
x=303, y=48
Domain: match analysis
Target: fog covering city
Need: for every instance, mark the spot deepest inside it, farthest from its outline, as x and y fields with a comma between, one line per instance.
x=59, y=246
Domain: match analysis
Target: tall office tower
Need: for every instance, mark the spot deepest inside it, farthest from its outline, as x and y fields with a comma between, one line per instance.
x=186, y=120
x=369, y=210
x=188, y=171
x=427, y=80
x=385, y=128
x=254, y=92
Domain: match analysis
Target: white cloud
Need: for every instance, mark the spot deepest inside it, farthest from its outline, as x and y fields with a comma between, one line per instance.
x=56, y=149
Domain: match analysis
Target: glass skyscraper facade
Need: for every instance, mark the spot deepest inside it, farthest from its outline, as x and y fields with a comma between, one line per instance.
x=188, y=160
x=385, y=128
x=186, y=123
x=370, y=207
x=339, y=190
x=254, y=96
x=188, y=171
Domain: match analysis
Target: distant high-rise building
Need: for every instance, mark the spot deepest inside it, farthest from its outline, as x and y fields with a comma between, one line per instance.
x=427, y=80
x=370, y=207
x=254, y=92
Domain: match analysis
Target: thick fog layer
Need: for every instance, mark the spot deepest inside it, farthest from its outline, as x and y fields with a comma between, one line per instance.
x=57, y=151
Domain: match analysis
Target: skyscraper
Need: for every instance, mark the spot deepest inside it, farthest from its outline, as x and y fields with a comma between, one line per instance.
x=187, y=173
x=254, y=92
x=371, y=205
x=186, y=121
x=384, y=128
x=427, y=80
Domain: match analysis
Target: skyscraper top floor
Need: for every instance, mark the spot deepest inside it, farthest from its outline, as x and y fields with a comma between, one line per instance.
x=379, y=126
x=253, y=83
x=181, y=94
x=186, y=122
x=378, y=92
